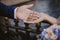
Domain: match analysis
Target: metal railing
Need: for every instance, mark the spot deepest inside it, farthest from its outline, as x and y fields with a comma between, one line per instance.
x=26, y=29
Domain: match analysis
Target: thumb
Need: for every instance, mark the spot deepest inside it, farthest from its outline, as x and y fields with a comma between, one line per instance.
x=28, y=6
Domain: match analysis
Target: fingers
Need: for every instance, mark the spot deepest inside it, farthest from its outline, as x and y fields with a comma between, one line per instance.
x=50, y=32
x=28, y=6
x=33, y=21
x=34, y=18
x=52, y=27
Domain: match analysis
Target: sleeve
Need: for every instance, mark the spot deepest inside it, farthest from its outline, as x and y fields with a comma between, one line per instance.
x=7, y=11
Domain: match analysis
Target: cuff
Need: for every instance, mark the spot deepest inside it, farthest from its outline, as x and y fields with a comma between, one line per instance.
x=15, y=13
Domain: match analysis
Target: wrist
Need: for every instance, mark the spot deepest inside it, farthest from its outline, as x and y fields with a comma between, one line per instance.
x=52, y=20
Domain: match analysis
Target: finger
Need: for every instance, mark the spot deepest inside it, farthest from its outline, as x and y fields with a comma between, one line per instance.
x=36, y=21
x=28, y=6
x=39, y=20
x=33, y=20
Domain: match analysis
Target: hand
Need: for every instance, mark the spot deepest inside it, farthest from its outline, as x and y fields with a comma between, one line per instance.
x=44, y=17
x=23, y=12
x=50, y=34
x=29, y=16
x=26, y=15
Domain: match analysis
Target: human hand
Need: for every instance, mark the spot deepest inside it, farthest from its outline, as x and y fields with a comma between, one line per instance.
x=29, y=16
x=51, y=33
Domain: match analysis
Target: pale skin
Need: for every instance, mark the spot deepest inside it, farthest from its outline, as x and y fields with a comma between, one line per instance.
x=23, y=13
